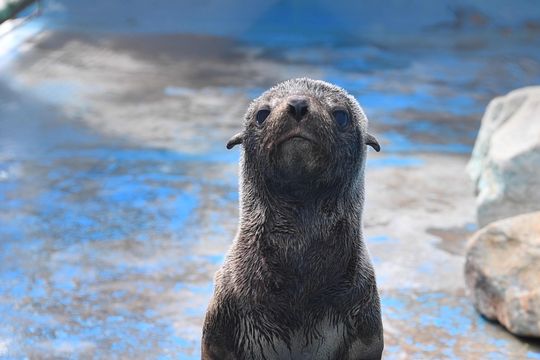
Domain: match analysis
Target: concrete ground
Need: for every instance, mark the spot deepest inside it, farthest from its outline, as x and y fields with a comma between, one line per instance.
x=118, y=198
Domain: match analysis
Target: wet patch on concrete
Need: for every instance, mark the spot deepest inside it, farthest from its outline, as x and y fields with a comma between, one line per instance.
x=453, y=240
x=143, y=87
x=437, y=112
x=420, y=101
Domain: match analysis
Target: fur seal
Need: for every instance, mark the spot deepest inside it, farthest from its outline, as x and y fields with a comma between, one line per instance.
x=297, y=282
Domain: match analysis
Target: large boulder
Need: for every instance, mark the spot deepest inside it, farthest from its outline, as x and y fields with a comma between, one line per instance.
x=502, y=273
x=505, y=163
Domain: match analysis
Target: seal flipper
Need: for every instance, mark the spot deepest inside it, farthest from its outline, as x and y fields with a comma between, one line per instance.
x=372, y=141
x=235, y=140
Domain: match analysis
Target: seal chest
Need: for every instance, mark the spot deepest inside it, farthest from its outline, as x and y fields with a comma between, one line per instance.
x=297, y=283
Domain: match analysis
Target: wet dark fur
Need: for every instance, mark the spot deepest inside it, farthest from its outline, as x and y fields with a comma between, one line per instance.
x=297, y=283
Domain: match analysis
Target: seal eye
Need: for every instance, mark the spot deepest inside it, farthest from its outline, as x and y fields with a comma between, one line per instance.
x=262, y=115
x=342, y=117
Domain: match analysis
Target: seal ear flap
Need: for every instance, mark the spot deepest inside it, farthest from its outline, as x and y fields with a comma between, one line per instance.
x=372, y=141
x=235, y=140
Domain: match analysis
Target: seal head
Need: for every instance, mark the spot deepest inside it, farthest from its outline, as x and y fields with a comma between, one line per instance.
x=304, y=132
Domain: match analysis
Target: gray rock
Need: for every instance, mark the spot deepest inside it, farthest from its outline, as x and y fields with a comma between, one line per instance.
x=502, y=273
x=505, y=163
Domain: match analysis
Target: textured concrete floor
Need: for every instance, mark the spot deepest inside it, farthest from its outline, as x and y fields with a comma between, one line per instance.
x=118, y=198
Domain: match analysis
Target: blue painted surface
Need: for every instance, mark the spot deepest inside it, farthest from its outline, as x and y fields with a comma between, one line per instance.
x=76, y=211
x=287, y=22
x=394, y=161
x=87, y=221
x=380, y=239
x=449, y=317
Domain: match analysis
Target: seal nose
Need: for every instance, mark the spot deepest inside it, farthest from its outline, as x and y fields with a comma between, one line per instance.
x=298, y=106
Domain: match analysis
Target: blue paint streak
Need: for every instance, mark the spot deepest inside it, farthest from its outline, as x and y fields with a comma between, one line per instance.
x=380, y=239
x=400, y=143
x=394, y=161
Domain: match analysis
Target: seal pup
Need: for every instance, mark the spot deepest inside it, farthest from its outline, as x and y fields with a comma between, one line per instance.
x=297, y=283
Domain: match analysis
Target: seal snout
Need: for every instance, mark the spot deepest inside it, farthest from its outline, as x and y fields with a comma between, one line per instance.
x=298, y=106
x=295, y=134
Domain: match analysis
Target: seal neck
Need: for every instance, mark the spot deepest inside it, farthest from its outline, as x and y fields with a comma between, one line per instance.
x=300, y=213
